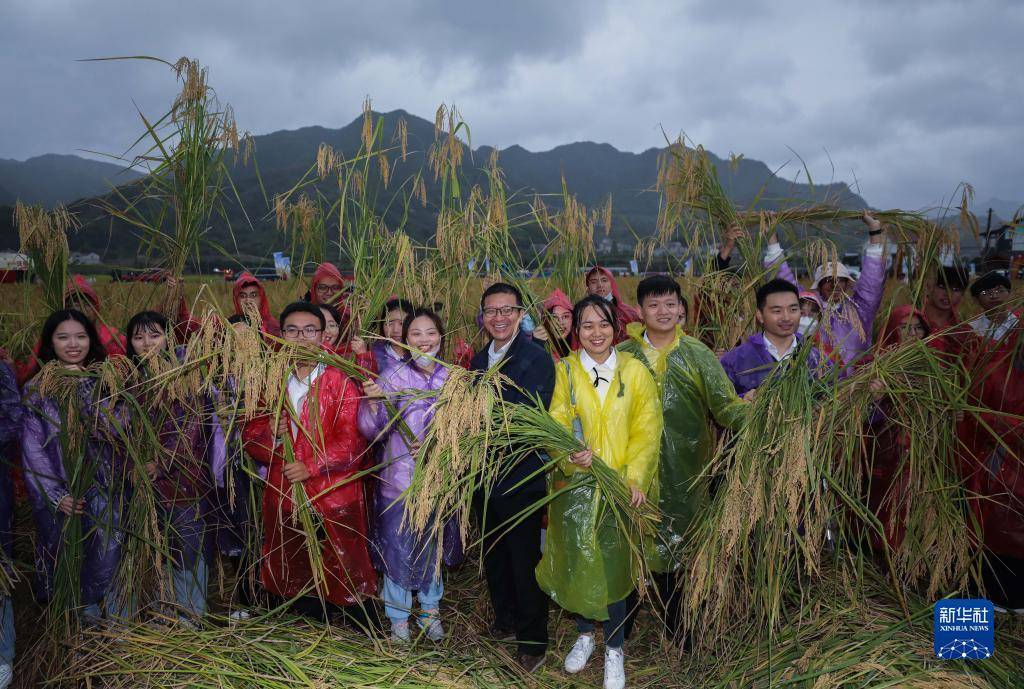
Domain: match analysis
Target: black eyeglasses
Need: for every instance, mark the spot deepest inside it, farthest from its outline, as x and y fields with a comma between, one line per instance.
x=501, y=311
x=307, y=333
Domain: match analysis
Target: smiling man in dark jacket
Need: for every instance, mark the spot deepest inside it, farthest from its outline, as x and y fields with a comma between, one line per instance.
x=520, y=607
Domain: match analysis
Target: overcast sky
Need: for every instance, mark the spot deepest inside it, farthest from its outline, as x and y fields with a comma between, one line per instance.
x=906, y=97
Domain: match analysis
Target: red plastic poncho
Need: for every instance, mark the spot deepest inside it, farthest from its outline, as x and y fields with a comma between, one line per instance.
x=994, y=472
x=325, y=271
x=339, y=453
x=624, y=313
x=269, y=324
x=887, y=492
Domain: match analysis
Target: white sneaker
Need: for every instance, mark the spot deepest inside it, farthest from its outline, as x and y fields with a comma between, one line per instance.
x=431, y=624
x=400, y=631
x=614, y=669
x=580, y=654
x=6, y=675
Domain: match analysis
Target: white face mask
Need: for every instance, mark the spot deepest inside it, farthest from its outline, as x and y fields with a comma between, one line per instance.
x=807, y=325
x=609, y=296
x=426, y=358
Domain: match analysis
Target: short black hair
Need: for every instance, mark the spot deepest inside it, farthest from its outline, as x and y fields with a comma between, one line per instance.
x=501, y=288
x=144, y=320
x=992, y=278
x=659, y=286
x=46, y=351
x=603, y=306
x=420, y=312
x=239, y=318
x=303, y=307
x=952, y=277
x=776, y=286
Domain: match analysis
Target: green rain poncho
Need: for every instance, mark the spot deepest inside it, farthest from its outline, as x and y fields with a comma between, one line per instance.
x=587, y=564
x=694, y=392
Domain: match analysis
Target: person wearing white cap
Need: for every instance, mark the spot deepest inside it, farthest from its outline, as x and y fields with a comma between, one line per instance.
x=850, y=305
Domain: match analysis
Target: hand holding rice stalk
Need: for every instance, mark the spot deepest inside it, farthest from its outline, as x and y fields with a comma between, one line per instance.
x=528, y=428
x=455, y=462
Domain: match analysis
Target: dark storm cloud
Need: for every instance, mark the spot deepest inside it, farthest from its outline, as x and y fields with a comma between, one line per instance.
x=907, y=97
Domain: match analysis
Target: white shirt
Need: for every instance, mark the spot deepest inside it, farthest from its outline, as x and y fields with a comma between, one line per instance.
x=297, y=391
x=603, y=373
x=984, y=326
x=774, y=351
x=494, y=356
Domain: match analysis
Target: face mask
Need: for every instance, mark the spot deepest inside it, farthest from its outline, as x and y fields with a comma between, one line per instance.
x=609, y=296
x=526, y=324
x=427, y=358
x=807, y=325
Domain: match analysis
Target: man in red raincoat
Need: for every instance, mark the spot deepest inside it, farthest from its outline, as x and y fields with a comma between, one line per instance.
x=248, y=292
x=994, y=458
x=319, y=424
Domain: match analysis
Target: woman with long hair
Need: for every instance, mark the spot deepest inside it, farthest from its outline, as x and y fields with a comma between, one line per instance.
x=192, y=442
x=73, y=470
x=407, y=562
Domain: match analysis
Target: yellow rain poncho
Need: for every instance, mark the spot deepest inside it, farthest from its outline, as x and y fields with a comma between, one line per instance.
x=587, y=562
x=695, y=391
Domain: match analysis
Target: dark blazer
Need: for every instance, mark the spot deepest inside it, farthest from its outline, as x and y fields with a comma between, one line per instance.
x=530, y=367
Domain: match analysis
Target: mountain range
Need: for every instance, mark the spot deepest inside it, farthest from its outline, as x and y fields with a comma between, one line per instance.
x=592, y=171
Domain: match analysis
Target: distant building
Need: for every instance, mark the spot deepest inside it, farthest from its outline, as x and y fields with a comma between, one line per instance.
x=79, y=259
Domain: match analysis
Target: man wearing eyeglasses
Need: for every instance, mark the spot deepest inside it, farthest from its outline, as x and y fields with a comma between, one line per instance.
x=520, y=607
x=312, y=438
x=993, y=440
x=992, y=292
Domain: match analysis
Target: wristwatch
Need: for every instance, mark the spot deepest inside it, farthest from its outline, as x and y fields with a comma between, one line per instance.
x=875, y=233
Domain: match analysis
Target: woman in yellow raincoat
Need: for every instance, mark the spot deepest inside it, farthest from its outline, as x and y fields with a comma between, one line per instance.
x=611, y=401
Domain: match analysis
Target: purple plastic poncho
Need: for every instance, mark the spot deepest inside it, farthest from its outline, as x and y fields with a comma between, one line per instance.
x=397, y=552
x=849, y=325
x=749, y=363
x=193, y=443
x=10, y=430
x=106, y=497
x=385, y=355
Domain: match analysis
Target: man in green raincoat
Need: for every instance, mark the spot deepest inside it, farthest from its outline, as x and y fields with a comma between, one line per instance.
x=695, y=392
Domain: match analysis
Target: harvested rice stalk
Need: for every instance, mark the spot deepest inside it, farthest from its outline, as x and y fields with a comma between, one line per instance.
x=454, y=461
x=190, y=150
x=527, y=428
x=44, y=238
x=765, y=526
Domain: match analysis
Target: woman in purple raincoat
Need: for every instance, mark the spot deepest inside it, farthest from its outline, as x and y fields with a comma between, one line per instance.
x=70, y=338
x=408, y=563
x=194, y=451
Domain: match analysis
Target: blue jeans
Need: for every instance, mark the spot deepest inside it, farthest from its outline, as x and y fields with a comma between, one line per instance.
x=398, y=600
x=7, y=631
x=614, y=626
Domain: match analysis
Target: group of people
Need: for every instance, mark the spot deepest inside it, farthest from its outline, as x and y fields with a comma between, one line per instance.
x=634, y=387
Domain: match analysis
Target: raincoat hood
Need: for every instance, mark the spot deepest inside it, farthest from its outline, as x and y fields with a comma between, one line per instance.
x=625, y=313
x=889, y=338
x=78, y=285
x=247, y=279
x=559, y=298
x=324, y=271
